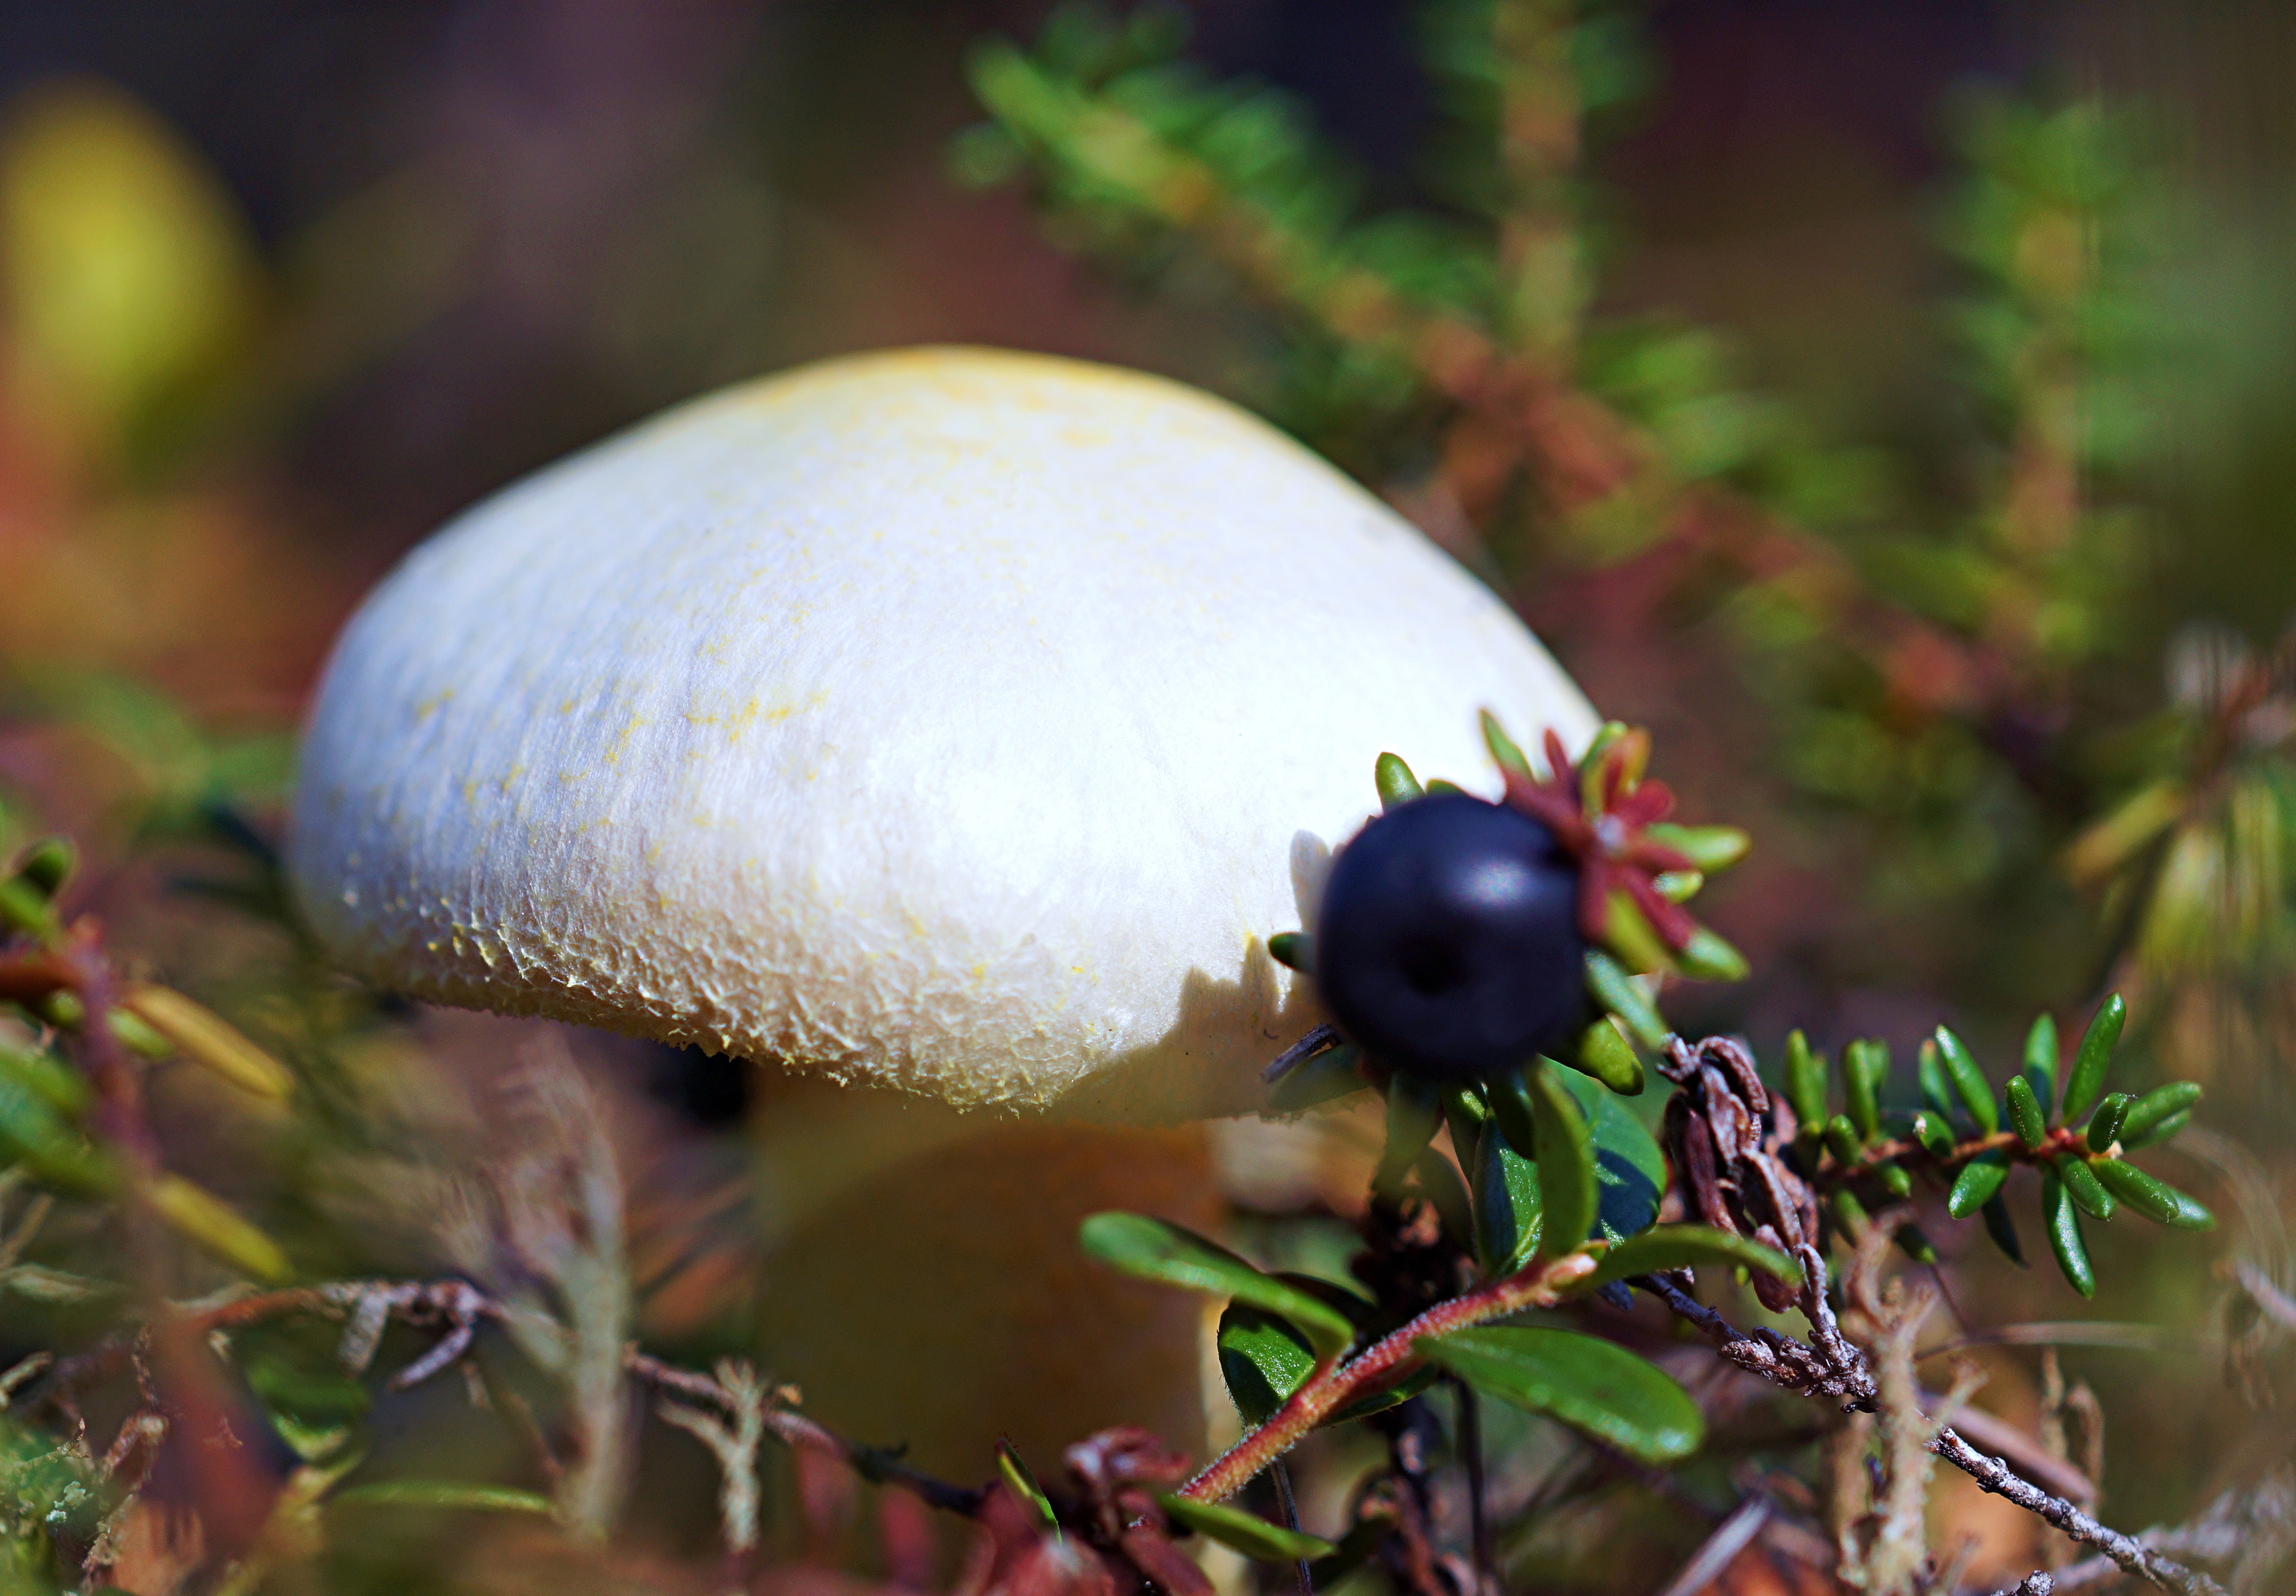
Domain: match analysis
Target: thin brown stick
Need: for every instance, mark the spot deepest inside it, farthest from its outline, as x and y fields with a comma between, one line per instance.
x=1479, y=1518
x=2251, y=1529
x=2271, y=1300
x=1992, y=1475
x=1730, y=1537
x=458, y=1307
x=1321, y=1040
x=1829, y=1366
x=1301, y=1571
x=794, y=1430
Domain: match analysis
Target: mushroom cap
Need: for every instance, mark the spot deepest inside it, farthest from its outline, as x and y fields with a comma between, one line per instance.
x=950, y=719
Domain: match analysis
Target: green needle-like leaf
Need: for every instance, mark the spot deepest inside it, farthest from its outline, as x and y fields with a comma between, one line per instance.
x=2105, y=1125
x=1935, y=1135
x=1514, y=1111
x=1565, y=1157
x=1507, y=1212
x=1628, y=935
x=33, y=1134
x=1590, y=762
x=1606, y=1054
x=1686, y=1247
x=48, y=863
x=1295, y=950
x=24, y=907
x=2153, y=1197
x=1936, y=1091
x=1014, y=1472
x=2083, y=1187
x=1708, y=849
x=198, y=1214
x=1616, y=991
x=1864, y=1066
x=1150, y=1249
x=1629, y=1169
x=2063, y=1220
x=2025, y=1116
x=1504, y=748
x=2154, y=1134
x=1247, y=1533
x=1805, y=1080
x=1466, y=1114
x=2094, y=1056
x=1980, y=1181
x=1968, y=1080
x=436, y=1494
x=1707, y=957
x=48, y=1078
x=2041, y=1062
x=2177, y=1097
x=1262, y=1361
x=1842, y=1140
x=1677, y=886
x=1587, y=1382
x=1397, y=785
x=2002, y=1230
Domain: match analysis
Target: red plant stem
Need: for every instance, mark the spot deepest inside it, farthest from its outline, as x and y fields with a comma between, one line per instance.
x=1537, y=1287
x=2062, y=1140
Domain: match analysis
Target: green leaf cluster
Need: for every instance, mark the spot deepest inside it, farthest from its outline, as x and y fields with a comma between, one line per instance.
x=2083, y=1171
x=1969, y=1137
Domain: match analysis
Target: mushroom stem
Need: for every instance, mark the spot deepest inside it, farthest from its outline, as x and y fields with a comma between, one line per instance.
x=1539, y=1286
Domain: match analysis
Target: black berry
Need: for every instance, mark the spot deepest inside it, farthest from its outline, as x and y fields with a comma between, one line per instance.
x=1448, y=943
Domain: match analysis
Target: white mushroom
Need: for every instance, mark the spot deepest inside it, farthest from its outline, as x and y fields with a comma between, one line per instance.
x=955, y=721
x=951, y=720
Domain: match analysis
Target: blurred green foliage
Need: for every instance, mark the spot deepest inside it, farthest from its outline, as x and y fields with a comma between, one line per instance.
x=1942, y=655
x=1947, y=637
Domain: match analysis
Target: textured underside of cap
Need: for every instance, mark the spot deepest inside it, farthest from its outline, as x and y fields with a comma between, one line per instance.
x=949, y=719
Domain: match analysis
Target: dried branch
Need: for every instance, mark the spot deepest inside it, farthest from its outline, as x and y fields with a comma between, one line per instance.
x=2029, y=1457
x=2251, y=1532
x=1403, y=1498
x=730, y=1413
x=1887, y=1552
x=737, y=1392
x=1782, y=1361
x=20, y=1371
x=557, y=1220
x=2040, y=1583
x=1992, y=1475
x=1829, y=1366
x=794, y=1430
